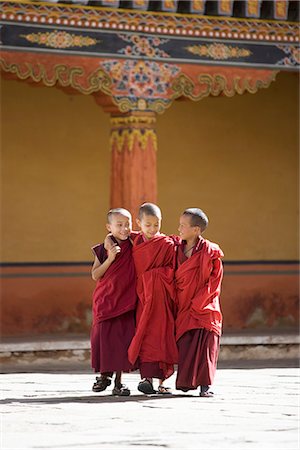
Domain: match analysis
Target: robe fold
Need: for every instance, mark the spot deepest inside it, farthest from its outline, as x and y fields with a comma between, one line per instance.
x=114, y=302
x=154, y=340
x=198, y=285
x=199, y=318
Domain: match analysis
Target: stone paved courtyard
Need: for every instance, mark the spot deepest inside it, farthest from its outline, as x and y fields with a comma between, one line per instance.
x=253, y=408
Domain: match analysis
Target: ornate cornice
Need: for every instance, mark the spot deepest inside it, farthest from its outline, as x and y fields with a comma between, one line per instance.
x=166, y=24
x=134, y=46
x=141, y=60
x=135, y=85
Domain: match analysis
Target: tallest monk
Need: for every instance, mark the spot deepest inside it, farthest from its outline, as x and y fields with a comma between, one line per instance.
x=154, y=345
x=199, y=319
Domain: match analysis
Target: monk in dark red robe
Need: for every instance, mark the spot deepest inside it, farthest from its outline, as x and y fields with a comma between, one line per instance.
x=114, y=303
x=199, y=319
x=154, y=345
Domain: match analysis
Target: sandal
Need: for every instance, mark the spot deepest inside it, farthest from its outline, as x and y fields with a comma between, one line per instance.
x=146, y=387
x=101, y=383
x=207, y=394
x=121, y=390
x=164, y=390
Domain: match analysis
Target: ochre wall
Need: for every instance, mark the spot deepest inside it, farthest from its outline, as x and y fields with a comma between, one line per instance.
x=55, y=174
x=234, y=157
x=237, y=159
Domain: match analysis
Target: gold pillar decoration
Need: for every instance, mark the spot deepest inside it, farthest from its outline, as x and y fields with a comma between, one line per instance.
x=133, y=144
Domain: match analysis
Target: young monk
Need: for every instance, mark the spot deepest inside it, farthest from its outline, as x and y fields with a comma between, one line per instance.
x=154, y=345
x=114, y=302
x=199, y=320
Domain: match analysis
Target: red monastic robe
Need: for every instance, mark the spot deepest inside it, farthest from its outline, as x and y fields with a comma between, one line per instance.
x=199, y=318
x=154, y=340
x=198, y=284
x=114, y=302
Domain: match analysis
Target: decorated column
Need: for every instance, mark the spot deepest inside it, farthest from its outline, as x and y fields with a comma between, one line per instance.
x=133, y=144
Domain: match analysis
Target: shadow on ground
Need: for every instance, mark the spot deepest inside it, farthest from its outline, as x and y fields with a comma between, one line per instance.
x=92, y=399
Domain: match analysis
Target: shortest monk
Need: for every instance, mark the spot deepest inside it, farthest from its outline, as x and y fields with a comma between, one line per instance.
x=114, y=302
x=199, y=320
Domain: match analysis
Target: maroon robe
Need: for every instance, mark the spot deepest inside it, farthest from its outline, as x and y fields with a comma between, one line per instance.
x=199, y=318
x=114, y=302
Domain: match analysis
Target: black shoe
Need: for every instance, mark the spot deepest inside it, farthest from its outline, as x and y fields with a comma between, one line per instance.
x=146, y=387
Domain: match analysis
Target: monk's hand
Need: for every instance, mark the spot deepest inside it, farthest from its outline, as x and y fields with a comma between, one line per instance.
x=108, y=242
x=112, y=252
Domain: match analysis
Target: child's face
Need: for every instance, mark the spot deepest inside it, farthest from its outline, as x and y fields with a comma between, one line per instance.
x=186, y=230
x=149, y=225
x=120, y=226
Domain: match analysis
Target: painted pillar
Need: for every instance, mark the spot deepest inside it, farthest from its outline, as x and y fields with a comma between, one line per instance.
x=133, y=143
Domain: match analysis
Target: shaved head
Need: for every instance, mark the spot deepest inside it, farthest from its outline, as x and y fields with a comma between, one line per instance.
x=149, y=209
x=197, y=218
x=113, y=212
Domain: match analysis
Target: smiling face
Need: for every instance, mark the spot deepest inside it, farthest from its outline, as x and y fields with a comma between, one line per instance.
x=149, y=225
x=186, y=231
x=119, y=226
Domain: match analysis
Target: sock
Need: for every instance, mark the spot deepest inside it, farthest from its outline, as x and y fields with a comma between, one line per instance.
x=204, y=388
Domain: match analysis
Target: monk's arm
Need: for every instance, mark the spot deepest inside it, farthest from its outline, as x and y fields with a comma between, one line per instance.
x=216, y=277
x=212, y=287
x=98, y=270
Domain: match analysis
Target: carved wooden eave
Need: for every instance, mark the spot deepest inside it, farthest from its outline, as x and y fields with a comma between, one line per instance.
x=143, y=60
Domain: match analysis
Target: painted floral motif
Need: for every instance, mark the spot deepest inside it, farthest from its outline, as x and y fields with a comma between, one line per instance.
x=293, y=55
x=281, y=9
x=225, y=7
x=218, y=51
x=59, y=39
x=253, y=8
x=146, y=79
x=197, y=6
x=143, y=46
